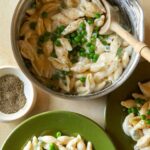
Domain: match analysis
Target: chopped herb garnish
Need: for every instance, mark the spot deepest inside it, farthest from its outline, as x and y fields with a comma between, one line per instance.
x=33, y=25
x=92, y=48
x=95, y=35
x=119, y=52
x=57, y=42
x=44, y=38
x=82, y=25
x=103, y=40
x=83, y=32
x=59, y=30
x=88, y=44
x=44, y=14
x=83, y=79
x=84, y=40
x=140, y=101
x=148, y=112
x=95, y=58
x=90, y=55
x=97, y=15
x=133, y=110
x=147, y=121
x=129, y=110
x=82, y=54
x=90, y=21
x=96, y=29
x=73, y=34
x=143, y=117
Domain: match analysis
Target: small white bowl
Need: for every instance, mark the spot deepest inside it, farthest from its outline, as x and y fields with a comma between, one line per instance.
x=29, y=92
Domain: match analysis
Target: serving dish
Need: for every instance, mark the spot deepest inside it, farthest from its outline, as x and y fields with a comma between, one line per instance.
x=114, y=111
x=68, y=123
x=29, y=91
x=134, y=15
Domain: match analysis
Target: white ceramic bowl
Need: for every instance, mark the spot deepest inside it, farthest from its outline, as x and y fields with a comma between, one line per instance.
x=29, y=92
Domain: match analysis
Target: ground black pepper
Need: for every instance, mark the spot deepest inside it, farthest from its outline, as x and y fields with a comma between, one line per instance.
x=12, y=97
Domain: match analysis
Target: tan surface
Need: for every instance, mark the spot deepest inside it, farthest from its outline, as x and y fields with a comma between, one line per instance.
x=93, y=109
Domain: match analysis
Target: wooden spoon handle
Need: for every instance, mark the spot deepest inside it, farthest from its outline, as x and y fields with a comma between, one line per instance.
x=145, y=53
x=138, y=46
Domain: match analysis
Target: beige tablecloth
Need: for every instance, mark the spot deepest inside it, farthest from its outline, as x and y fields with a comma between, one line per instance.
x=93, y=109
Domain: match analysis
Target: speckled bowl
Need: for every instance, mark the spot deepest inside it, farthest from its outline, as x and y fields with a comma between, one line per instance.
x=29, y=92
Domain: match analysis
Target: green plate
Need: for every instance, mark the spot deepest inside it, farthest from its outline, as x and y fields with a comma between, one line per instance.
x=114, y=113
x=67, y=122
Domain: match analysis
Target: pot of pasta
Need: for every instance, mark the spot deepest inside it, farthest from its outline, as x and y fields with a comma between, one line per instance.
x=58, y=45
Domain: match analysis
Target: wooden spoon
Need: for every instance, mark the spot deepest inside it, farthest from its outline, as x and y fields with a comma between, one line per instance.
x=112, y=24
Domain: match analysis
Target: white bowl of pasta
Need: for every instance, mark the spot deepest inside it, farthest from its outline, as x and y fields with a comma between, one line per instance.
x=59, y=47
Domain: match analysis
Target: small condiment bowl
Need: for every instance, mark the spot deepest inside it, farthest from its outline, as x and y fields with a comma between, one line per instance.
x=29, y=91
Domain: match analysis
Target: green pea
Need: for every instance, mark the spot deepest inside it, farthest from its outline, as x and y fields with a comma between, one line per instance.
x=52, y=146
x=61, y=28
x=90, y=21
x=77, y=39
x=90, y=55
x=148, y=112
x=83, y=40
x=95, y=35
x=44, y=14
x=135, y=111
x=88, y=44
x=58, y=134
x=96, y=29
x=143, y=117
x=119, y=52
x=95, y=58
x=103, y=40
x=147, y=121
x=73, y=35
x=44, y=38
x=97, y=15
x=92, y=48
x=82, y=54
x=140, y=101
x=93, y=39
x=129, y=110
x=57, y=42
x=82, y=25
x=83, y=32
x=83, y=79
x=33, y=25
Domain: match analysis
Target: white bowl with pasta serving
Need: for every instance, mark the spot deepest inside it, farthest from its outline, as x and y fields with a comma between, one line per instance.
x=58, y=45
